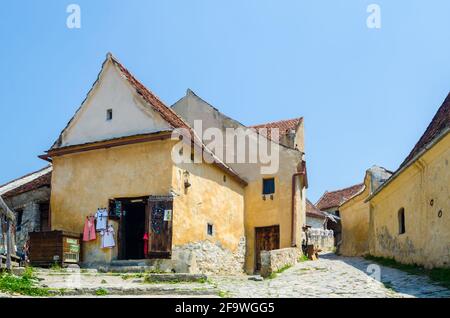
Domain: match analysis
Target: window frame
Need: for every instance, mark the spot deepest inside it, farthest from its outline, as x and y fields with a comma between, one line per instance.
x=264, y=180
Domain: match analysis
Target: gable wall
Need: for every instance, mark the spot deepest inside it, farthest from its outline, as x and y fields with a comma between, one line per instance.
x=258, y=212
x=130, y=117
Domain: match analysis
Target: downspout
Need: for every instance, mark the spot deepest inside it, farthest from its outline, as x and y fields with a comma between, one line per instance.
x=293, y=214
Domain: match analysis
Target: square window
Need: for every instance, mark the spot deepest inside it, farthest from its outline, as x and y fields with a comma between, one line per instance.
x=109, y=114
x=210, y=229
x=268, y=186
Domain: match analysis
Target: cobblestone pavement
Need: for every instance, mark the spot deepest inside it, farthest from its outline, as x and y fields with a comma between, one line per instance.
x=333, y=276
x=330, y=276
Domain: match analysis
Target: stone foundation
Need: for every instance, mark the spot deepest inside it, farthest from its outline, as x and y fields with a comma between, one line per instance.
x=272, y=261
x=209, y=258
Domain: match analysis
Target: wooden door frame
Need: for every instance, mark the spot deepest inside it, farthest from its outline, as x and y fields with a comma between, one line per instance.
x=120, y=253
x=256, y=242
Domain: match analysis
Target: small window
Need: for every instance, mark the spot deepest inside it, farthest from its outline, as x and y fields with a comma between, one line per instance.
x=19, y=216
x=269, y=186
x=210, y=229
x=224, y=178
x=109, y=114
x=401, y=221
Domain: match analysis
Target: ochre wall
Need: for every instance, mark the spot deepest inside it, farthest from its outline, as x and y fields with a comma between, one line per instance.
x=355, y=224
x=209, y=199
x=259, y=212
x=83, y=182
x=427, y=238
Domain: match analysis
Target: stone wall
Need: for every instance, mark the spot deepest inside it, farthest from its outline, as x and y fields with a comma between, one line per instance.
x=272, y=261
x=323, y=239
x=209, y=258
x=28, y=202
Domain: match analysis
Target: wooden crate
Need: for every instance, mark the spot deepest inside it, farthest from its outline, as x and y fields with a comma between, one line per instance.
x=55, y=247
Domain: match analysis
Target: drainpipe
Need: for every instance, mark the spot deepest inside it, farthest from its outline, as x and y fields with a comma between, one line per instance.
x=294, y=215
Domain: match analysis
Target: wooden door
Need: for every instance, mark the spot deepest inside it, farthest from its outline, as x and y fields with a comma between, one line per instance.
x=266, y=239
x=160, y=214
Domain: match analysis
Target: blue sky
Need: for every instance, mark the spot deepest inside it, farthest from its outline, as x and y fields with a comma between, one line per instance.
x=366, y=94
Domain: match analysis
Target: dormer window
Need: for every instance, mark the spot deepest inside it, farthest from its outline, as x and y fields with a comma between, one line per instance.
x=109, y=114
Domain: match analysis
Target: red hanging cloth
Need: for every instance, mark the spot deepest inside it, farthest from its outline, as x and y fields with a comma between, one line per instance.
x=145, y=245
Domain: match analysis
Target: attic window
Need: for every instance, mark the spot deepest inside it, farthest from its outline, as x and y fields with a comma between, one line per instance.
x=268, y=186
x=109, y=114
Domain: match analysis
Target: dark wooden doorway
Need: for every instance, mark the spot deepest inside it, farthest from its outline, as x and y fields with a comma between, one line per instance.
x=160, y=214
x=266, y=239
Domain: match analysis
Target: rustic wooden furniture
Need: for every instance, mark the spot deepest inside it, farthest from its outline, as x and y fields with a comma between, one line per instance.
x=55, y=247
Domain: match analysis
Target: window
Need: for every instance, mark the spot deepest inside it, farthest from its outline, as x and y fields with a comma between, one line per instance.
x=210, y=229
x=269, y=186
x=19, y=216
x=401, y=221
x=44, y=209
x=109, y=114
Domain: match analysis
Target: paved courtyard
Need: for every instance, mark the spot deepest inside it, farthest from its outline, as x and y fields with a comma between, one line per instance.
x=330, y=276
x=334, y=276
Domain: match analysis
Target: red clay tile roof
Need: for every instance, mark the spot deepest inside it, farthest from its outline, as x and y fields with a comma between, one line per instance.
x=284, y=126
x=39, y=182
x=440, y=122
x=338, y=197
x=166, y=112
x=313, y=211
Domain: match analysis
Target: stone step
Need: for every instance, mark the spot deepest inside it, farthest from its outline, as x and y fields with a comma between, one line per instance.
x=125, y=269
x=131, y=262
x=146, y=290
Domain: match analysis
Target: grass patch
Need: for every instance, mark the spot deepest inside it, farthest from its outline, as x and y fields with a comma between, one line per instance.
x=438, y=275
x=282, y=269
x=152, y=280
x=101, y=292
x=23, y=285
x=303, y=258
x=223, y=294
x=388, y=285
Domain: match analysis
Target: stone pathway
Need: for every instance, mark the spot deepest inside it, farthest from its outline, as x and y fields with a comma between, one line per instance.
x=333, y=276
x=330, y=276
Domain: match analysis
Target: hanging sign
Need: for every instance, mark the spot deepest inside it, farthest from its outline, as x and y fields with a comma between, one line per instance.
x=167, y=215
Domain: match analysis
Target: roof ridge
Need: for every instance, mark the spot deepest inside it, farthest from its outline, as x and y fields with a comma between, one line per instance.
x=343, y=189
x=24, y=176
x=139, y=86
x=276, y=122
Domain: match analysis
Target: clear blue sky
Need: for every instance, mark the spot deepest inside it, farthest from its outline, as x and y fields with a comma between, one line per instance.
x=367, y=95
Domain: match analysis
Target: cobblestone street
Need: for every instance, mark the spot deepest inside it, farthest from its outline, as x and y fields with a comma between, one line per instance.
x=330, y=276
x=334, y=276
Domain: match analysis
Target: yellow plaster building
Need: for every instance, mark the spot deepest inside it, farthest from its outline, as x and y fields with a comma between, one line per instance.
x=116, y=154
x=355, y=214
x=410, y=213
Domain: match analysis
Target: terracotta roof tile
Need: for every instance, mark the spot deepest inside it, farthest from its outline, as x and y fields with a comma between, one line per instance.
x=338, y=197
x=313, y=211
x=284, y=126
x=440, y=122
x=35, y=182
x=167, y=113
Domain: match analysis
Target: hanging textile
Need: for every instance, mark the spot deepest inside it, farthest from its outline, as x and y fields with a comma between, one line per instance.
x=145, y=245
x=108, y=237
x=157, y=219
x=102, y=219
x=89, y=229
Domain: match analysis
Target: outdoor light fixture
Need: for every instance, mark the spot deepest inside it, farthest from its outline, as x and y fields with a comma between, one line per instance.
x=187, y=184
